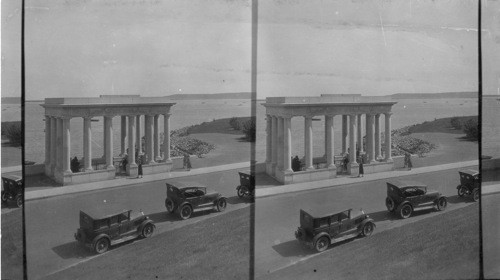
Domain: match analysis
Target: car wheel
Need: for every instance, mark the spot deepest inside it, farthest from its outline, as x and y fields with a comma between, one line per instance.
x=475, y=195
x=390, y=204
x=221, y=204
x=367, y=229
x=441, y=204
x=322, y=244
x=186, y=212
x=462, y=191
x=102, y=245
x=169, y=204
x=241, y=192
x=19, y=200
x=405, y=211
x=4, y=197
x=147, y=231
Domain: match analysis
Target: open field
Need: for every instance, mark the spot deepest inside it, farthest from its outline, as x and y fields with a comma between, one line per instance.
x=441, y=247
x=216, y=248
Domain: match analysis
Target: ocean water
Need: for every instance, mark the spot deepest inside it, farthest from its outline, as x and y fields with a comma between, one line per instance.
x=491, y=126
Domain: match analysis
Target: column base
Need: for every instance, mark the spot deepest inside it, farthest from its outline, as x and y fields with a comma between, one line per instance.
x=389, y=159
x=353, y=169
x=132, y=170
x=110, y=167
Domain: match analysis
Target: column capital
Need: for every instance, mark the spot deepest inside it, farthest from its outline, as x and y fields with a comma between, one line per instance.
x=388, y=114
x=167, y=114
x=377, y=115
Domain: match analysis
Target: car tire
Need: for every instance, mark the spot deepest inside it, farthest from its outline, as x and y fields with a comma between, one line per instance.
x=102, y=245
x=221, y=204
x=4, y=197
x=148, y=230
x=185, y=212
x=368, y=229
x=241, y=192
x=405, y=211
x=475, y=195
x=322, y=244
x=19, y=200
x=441, y=204
x=462, y=191
x=169, y=204
x=389, y=203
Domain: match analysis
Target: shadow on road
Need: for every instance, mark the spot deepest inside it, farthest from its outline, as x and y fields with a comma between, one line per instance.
x=292, y=248
x=236, y=200
x=381, y=216
x=455, y=199
x=72, y=250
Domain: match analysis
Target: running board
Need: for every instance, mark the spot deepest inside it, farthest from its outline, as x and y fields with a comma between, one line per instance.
x=345, y=237
x=123, y=239
x=203, y=208
x=425, y=207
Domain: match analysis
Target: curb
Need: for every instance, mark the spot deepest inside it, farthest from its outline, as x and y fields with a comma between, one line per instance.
x=123, y=182
x=272, y=191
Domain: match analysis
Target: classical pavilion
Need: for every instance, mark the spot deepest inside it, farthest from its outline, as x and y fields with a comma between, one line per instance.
x=133, y=111
x=351, y=108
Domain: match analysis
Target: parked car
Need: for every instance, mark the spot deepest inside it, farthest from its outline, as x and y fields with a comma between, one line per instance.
x=99, y=231
x=13, y=189
x=469, y=184
x=319, y=230
x=404, y=197
x=186, y=198
x=247, y=184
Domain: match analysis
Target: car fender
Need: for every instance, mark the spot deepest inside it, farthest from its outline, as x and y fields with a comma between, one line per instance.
x=144, y=223
x=175, y=204
x=219, y=198
x=102, y=235
x=182, y=205
x=439, y=197
x=459, y=186
x=319, y=235
x=403, y=204
x=367, y=220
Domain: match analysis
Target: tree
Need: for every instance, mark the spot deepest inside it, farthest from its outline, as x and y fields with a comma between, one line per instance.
x=14, y=133
x=471, y=129
x=249, y=129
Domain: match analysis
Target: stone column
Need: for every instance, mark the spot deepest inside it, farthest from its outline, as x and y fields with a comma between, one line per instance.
x=66, y=145
x=149, y=139
x=131, y=166
x=156, y=136
x=308, y=143
x=330, y=155
x=344, y=133
x=108, y=148
x=360, y=134
x=123, y=138
x=353, y=167
x=274, y=141
x=388, y=155
x=166, y=137
x=59, y=145
x=268, y=138
x=377, y=137
x=53, y=144
x=138, y=135
x=370, y=141
x=47, y=142
x=326, y=136
x=280, y=144
x=287, y=147
x=87, y=143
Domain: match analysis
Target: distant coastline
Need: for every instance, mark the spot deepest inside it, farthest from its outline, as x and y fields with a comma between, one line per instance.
x=248, y=96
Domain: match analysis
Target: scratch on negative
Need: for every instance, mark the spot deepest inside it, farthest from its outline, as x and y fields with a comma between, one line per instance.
x=382, y=26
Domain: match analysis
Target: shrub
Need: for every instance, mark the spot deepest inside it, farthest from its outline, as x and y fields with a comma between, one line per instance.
x=471, y=129
x=249, y=129
x=234, y=123
x=456, y=123
x=14, y=133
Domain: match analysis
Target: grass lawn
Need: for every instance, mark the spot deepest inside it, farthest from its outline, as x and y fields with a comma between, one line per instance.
x=441, y=247
x=440, y=125
x=12, y=245
x=216, y=248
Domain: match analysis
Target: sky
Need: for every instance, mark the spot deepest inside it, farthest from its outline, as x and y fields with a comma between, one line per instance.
x=86, y=48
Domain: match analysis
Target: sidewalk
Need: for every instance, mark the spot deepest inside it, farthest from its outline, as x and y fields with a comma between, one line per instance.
x=276, y=190
x=120, y=182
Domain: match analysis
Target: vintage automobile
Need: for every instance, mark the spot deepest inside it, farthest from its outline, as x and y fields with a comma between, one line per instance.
x=319, y=230
x=99, y=231
x=186, y=198
x=404, y=197
x=247, y=184
x=469, y=184
x=13, y=189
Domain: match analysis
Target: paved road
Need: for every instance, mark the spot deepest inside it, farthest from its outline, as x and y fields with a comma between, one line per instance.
x=277, y=217
x=491, y=235
x=51, y=223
